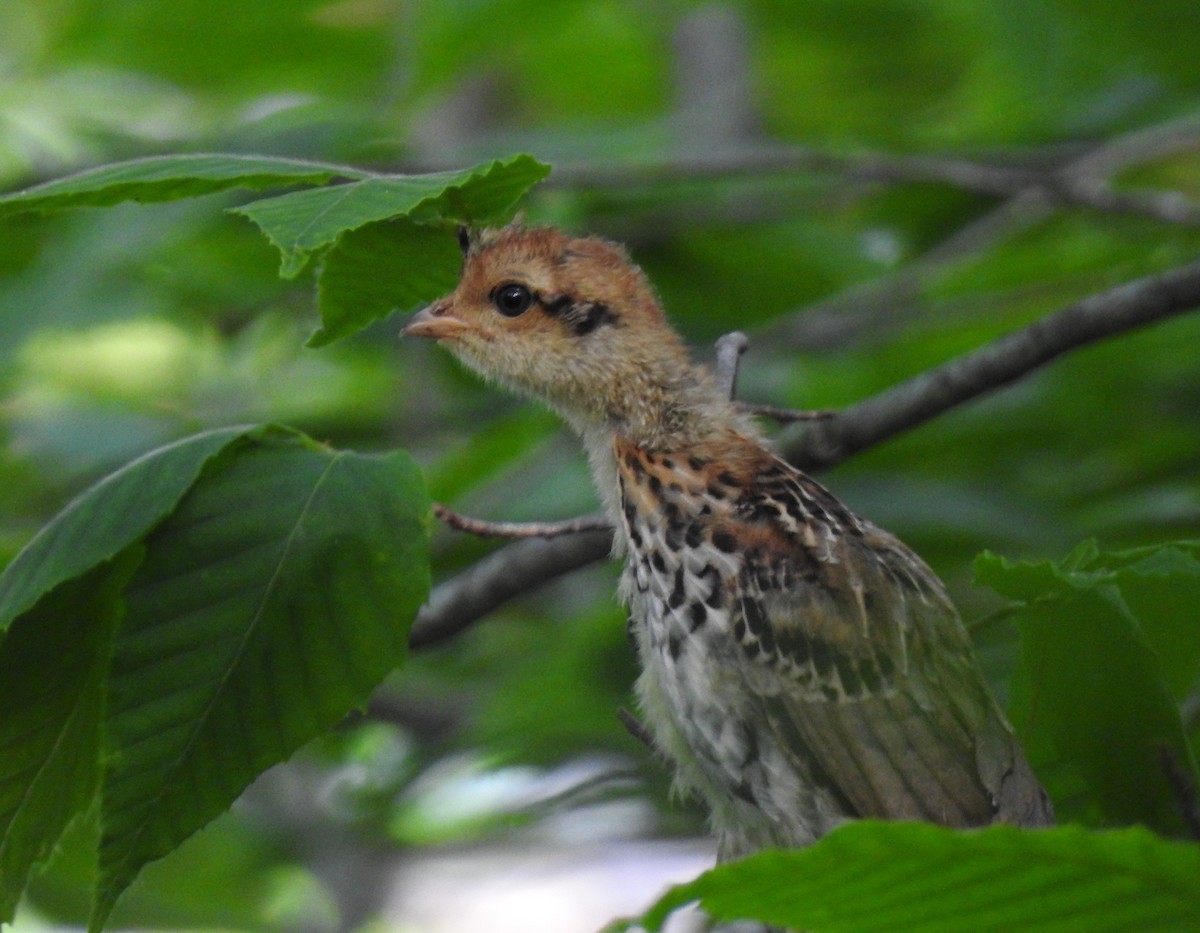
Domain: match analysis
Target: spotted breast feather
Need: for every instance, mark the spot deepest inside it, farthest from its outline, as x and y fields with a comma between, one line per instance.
x=796, y=655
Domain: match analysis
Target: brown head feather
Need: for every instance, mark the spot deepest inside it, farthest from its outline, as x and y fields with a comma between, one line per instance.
x=591, y=339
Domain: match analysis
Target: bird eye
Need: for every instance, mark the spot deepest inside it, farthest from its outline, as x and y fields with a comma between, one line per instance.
x=512, y=299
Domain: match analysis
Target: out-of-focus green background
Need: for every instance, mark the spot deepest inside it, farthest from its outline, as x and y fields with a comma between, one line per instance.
x=124, y=328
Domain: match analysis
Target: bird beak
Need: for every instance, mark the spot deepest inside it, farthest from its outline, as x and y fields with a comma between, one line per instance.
x=434, y=322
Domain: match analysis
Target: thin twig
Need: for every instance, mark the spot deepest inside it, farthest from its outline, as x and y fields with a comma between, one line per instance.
x=730, y=348
x=486, y=529
x=640, y=731
x=787, y=415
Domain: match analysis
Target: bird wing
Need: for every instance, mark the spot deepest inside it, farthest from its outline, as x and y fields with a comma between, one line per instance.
x=858, y=656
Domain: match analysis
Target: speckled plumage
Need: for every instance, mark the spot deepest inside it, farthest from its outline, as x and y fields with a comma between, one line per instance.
x=800, y=665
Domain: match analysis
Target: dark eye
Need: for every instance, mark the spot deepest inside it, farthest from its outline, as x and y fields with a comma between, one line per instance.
x=512, y=299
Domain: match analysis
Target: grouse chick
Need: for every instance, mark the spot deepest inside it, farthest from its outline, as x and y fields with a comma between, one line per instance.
x=800, y=665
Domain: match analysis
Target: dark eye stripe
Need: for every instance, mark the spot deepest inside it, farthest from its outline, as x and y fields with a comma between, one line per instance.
x=580, y=317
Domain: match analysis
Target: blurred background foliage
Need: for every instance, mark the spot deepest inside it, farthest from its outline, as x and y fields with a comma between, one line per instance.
x=124, y=328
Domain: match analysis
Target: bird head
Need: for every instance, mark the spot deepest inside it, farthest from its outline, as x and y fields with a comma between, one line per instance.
x=570, y=321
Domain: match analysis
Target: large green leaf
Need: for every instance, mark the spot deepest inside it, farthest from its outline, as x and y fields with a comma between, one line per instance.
x=105, y=519
x=170, y=178
x=304, y=222
x=60, y=598
x=919, y=878
x=1090, y=696
x=269, y=604
x=52, y=666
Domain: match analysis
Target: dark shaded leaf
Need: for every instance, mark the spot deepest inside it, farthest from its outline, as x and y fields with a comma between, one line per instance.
x=379, y=268
x=304, y=222
x=52, y=670
x=269, y=604
x=1090, y=697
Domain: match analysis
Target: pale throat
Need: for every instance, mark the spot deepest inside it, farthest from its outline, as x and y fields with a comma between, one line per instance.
x=688, y=416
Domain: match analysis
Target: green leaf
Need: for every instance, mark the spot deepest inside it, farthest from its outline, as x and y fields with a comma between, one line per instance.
x=378, y=268
x=52, y=666
x=303, y=222
x=1029, y=580
x=170, y=178
x=106, y=519
x=269, y=604
x=1092, y=708
x=1161, y=586
x=870, y=876
x=1090, y=695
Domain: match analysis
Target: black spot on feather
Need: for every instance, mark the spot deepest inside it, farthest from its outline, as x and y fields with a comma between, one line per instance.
x=724, y=541
x=675, y=600
x=558, y=305
x=745, y=792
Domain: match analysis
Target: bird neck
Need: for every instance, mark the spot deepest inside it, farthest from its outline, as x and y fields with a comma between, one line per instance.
x=664, y=412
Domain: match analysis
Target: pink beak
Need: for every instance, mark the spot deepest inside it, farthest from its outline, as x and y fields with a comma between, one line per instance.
x=434, y=322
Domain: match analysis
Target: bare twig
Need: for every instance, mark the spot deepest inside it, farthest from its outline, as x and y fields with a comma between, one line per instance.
x=787, y=415
x=730, y=348
x=921, y=398
x=514, y=569
x=639, y=731
x=1141, y=145
x=486, y=529
x=523, y=565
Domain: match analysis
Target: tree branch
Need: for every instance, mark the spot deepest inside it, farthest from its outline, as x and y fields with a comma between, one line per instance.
x=503, y=574
x=1005, y=360
x=523, y=565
